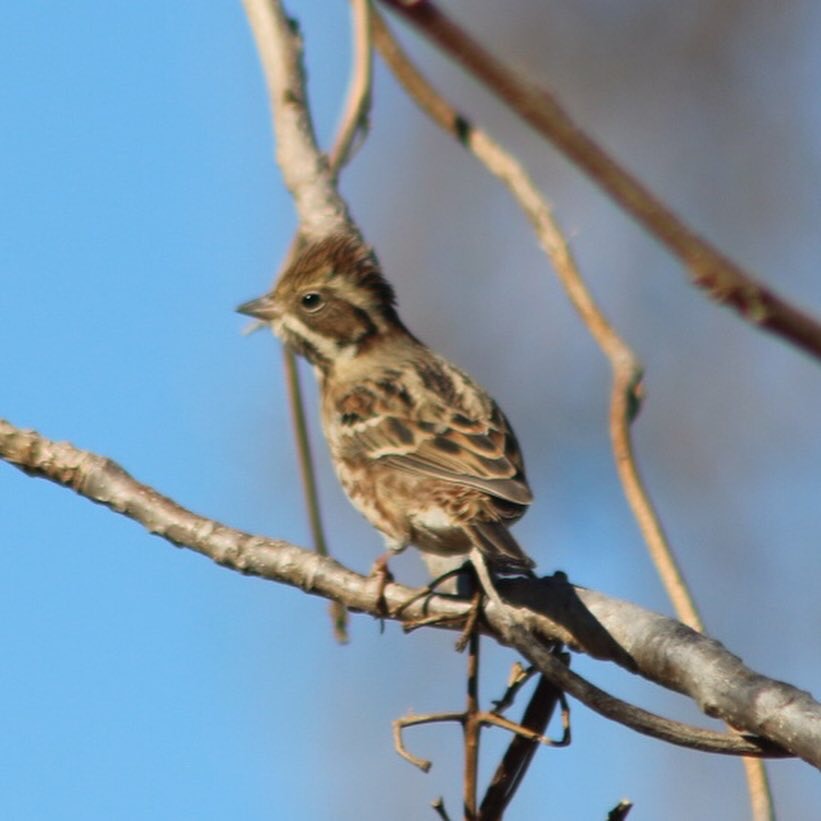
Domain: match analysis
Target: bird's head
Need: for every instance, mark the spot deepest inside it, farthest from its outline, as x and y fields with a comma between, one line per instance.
x=330, y=303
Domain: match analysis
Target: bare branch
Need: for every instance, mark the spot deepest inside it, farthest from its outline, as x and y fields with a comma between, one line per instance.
x=339, y=616
x=473, y=720
x=399, y=724
x=439, y=807
x=471, y=731
x=546, y=610
x=304, y=168
x=354, y=121
x=723, y=280
x=664, y=651
x=357, y=108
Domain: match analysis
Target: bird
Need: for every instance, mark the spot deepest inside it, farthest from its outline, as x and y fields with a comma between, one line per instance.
x=421, y=450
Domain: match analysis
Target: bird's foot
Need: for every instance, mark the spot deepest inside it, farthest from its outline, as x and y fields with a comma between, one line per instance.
x=470, y=622
x=429, y=589
x=381, y=572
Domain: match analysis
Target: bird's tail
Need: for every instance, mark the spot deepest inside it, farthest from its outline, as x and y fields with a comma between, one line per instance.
x=500, y=549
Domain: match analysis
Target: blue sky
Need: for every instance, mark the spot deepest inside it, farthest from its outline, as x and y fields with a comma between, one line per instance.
x=141, y=204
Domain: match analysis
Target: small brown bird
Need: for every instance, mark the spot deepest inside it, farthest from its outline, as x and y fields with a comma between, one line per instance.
x=421, y=450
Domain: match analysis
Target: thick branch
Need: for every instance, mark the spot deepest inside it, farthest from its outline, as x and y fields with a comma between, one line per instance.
x=547, y=610
x=723, y=280
x=668, y=653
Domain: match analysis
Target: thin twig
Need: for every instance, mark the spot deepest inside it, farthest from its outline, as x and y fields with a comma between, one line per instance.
x=355, y=118
x=399, y=724
x=519, y=676
x=722, y=279
x=472, y=729
x=762, y=806
x=473, y=719
x=495, y=720
x=339, y=615
x=626, y=389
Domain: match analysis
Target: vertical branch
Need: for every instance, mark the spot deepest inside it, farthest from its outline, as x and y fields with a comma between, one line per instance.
x=339, y=615
x=472, y=728
x=758, y=786
x=319, y=207
x=353, y=121
x=304, y=453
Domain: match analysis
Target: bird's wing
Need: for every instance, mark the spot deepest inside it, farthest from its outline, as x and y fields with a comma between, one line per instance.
x=428, y=435
x=478, y=453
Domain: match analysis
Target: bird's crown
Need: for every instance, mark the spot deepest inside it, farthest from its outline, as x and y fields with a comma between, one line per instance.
x=346, y=265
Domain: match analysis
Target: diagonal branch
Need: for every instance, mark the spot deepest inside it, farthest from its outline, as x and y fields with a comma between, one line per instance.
x=546, y=610
x=723, y=280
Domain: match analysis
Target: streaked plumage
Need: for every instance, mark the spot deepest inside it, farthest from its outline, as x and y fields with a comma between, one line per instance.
x=422, y=451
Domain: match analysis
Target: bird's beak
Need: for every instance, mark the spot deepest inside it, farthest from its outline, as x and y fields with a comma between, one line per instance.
x=262, y=308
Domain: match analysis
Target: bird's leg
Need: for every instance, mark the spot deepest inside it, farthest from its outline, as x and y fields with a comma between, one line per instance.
x=470, y=622
x=381, y=572
x=483, y=575
x=466, y=586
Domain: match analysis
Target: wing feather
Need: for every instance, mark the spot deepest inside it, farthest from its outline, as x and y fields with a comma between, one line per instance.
x=441, y=437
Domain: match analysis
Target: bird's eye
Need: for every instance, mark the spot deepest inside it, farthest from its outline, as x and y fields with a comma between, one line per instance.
x=312, y=301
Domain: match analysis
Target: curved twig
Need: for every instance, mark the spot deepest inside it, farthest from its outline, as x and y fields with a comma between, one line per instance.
x=355, y=118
